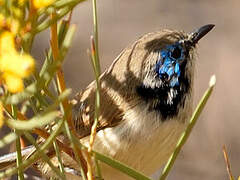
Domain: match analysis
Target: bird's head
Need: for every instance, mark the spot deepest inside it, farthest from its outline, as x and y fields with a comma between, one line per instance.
x=168, y=68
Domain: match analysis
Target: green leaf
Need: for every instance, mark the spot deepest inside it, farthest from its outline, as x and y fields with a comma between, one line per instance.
x=35, y=122
x=19, y=97
x=67, y=41
x=9, y=138
x=39, y=120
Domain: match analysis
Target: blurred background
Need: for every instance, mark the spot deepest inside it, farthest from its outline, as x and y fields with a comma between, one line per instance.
x=121, y=22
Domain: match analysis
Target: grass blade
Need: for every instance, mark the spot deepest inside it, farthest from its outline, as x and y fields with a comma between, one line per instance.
x=187, y=132
x=8, y=139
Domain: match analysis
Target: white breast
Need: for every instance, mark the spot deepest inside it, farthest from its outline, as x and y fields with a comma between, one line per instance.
x=144, y=145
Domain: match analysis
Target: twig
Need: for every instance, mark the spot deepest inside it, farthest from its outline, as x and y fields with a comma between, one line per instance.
x=227, y=163
x=60, y=76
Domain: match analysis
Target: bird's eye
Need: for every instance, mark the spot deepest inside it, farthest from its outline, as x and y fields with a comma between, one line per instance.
x=176, y=53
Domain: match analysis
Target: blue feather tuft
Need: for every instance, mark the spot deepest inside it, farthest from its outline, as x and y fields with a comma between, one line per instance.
x=168, y=64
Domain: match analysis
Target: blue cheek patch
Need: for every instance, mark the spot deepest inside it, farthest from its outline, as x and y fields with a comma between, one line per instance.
x=177, y=69
x=167, y=67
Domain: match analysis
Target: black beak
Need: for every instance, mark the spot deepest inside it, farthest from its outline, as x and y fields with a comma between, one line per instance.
x=198, y=34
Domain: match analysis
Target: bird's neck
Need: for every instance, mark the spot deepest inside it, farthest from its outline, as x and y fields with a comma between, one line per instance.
x=166, y=100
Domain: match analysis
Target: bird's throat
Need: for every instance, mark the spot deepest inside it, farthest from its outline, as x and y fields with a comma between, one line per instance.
x=166, y=100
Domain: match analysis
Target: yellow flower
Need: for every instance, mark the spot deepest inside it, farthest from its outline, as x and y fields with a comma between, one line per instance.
x=7, y=44
x=2, y=19
x=14, y=25
x=19, y=65
x=42, y=3
x=13, y=65
x=1, y=114
x=21, y=2
x=9, y=23
x=13, y=82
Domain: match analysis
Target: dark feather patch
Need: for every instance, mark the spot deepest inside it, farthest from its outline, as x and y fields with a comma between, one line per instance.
x=166, y=100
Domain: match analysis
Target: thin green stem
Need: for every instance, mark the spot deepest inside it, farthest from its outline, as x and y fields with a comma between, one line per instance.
x=18, y=146
x=49, y=22
x=58, y=154
x=95, y=60
x=73, y=144
x=96, y=67
x=44, y=156
x=98, y=168
x=95, y=33
x=190, y=126
x=28, y=40
x=59, y=159
x=19, y=158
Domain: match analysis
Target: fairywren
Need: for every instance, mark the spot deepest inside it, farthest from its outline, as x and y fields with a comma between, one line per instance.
x=146, y=101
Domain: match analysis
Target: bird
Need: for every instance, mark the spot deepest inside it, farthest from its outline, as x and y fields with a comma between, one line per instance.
x=146, y=101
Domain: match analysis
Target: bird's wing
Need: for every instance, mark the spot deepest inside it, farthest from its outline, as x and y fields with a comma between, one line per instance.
x=83, y=110
x=111, y=103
